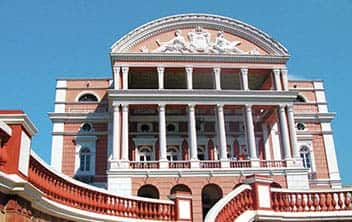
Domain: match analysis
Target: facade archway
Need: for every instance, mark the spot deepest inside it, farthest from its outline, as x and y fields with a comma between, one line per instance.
x=211, y=193
x=148, y=191
x=180, y=188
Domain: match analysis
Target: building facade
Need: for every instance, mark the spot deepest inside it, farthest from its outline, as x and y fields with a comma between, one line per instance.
x=195, y=103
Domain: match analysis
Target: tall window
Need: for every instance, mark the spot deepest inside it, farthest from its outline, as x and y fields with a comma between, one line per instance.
x=305, y=155
x=84, y=157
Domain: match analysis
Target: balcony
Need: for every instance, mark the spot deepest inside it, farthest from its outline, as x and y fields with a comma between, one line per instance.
x=202, y=164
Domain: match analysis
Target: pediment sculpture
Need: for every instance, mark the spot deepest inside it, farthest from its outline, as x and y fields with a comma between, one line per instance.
x=199, y=41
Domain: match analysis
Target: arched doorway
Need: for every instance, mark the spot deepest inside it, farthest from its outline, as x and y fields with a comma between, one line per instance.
x=148, y=191
x=211, y=193
x=180, y=188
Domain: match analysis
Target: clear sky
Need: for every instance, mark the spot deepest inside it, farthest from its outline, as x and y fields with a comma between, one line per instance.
x=44, y=40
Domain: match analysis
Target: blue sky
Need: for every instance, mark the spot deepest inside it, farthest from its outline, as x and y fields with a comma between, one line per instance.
x=44, y=40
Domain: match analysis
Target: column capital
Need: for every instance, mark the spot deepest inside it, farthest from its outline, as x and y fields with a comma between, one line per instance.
x=276, y=71
x=191, y=107
x=116, y=69
x=289, y=108
x=162, y=107
x=217, y=69
x=248, y=107
x=220, y=106
x=160, y=69
x=125, y=69
x=116, y=108
x=284, y=70
x=124, y=107
x=189, y=69
x=244, y=70
x=282, y=107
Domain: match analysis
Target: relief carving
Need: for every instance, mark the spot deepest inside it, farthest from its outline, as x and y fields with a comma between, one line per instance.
x=199, y=41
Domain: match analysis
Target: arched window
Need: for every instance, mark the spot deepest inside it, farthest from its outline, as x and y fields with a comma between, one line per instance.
x=211, y=193
x=88, y=97
x=86, y=127
x=305, y=155
x=300, y=99
x=172, y=154
x=148, y=191
x=300, y=126
x=180, y=188
x=84, y=157
x=145, y=153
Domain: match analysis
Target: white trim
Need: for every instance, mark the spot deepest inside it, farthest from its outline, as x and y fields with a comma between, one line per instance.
x=22, y=119
x=85, y=142
x=60, y=96
x=5, y=128
x=25, y=150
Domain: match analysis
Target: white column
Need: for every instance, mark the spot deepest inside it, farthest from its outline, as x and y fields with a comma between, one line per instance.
x=266, y=141
x=250, y=132
x=125, y=77
x=277, y=79
x=292, y=128
x=192, y=131
x=284, y=132
x=125, y=144
x=189, y=71
x=162, y=132
x=161, y=77
x=217, y=74
x=222, y=136
x=244, y=79
x=284, y=77
x=117, y=83
x=116, y=134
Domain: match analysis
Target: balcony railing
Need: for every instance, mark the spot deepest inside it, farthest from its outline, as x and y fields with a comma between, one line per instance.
x=144, y=165
x=272, y=163
x=210, y=164
x=180, y=164
x=240, y=163
x=311, y=201
x=60, y=190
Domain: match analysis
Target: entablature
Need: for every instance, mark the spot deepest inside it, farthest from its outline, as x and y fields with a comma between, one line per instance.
x=225, y=97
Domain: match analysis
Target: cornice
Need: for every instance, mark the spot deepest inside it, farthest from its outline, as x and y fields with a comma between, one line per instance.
x=21, y=119
x=99, y=117
x=320, y=117
x=165, y=57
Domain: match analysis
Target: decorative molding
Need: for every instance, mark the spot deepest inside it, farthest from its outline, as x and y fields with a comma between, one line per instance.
x=216, y=22
x=21, y=119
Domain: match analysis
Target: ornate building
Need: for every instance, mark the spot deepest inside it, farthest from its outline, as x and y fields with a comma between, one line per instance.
x=199, y=105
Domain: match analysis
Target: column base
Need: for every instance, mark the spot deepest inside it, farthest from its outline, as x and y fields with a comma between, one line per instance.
x=297, y=180
x=294, y=162
x=255, y=163
x=225, y=163
x=163, y=164
x=118, y=164
x=195, y=163
x=120, y=185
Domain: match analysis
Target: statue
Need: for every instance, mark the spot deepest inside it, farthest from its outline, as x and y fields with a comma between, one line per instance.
x=223, y=45
x=176, y=44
